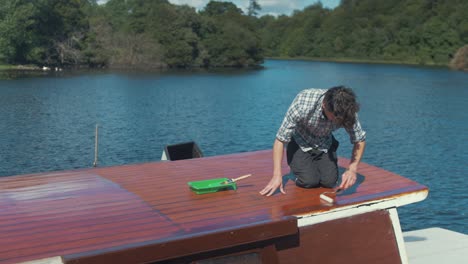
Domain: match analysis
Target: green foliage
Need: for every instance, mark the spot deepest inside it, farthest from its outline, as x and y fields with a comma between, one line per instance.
x=253, y=8
x=228, y=37
x=215, y=8
x=408, y=31
x=126, y=33
x=43, y=31
x=156, y=33
x=17, y=38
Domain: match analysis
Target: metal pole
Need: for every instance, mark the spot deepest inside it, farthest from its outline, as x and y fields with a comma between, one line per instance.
x=96, y=147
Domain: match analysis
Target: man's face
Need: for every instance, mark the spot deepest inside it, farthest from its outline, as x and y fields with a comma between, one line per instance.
x=328, y=114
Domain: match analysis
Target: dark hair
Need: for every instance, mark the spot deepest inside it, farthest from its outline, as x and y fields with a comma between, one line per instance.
x=341, y=101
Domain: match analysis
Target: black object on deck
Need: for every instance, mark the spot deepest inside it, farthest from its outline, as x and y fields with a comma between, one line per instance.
x=181, y=151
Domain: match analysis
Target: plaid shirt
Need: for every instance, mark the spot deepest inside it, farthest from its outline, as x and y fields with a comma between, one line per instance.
x=306, y=122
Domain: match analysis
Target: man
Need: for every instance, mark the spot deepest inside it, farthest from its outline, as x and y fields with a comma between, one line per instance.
x=311, y=152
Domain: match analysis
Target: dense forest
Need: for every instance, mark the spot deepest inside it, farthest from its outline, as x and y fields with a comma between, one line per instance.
x=409, y=31
x=157, y=34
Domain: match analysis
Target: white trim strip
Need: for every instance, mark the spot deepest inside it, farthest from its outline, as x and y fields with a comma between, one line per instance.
x=398, y=235
x=53, y=260
x=356, y=209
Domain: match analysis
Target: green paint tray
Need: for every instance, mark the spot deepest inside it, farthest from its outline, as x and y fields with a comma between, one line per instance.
x=211, y=186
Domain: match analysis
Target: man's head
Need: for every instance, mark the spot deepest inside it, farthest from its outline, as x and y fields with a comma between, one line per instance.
x=340, y=106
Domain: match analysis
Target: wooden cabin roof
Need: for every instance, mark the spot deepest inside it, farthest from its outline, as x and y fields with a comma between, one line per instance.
x=88, y=213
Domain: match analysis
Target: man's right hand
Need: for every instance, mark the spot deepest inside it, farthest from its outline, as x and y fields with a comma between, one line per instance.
x=277, y=179
x=272, y=186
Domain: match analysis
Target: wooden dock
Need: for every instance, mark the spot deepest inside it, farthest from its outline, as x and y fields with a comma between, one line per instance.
x=146, y=213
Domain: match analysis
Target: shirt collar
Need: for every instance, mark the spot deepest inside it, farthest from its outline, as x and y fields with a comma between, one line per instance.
x=322, y=115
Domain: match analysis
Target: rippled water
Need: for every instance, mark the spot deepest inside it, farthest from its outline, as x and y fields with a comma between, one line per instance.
x=415, y=117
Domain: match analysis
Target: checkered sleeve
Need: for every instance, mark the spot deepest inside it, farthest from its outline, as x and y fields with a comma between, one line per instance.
x=356, y=134
x=290, y=121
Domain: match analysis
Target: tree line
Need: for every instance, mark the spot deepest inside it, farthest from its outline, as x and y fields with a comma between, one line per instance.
x=158, y=34
x=411, y=31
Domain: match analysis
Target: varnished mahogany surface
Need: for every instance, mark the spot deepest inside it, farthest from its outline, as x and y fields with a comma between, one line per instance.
x=100, y=210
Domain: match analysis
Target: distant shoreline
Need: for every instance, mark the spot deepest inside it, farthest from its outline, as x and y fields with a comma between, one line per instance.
x=340, y=60
x=348, y=60
x=20, y=67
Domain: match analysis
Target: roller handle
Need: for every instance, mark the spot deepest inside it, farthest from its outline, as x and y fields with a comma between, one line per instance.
x=241, y=177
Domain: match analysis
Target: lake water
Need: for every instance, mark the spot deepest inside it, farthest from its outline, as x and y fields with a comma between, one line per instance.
x=416, y=120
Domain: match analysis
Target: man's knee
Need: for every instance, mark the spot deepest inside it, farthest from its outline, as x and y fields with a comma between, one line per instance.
x=330, y=180
x=307, y=182
x=328, y=184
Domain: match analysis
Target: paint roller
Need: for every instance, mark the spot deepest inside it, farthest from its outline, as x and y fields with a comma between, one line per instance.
x=330, y=197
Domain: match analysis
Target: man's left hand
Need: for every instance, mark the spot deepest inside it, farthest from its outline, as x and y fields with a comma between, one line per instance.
x=348, y=179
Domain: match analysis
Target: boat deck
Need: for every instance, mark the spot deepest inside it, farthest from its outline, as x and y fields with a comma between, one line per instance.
x=146, y=212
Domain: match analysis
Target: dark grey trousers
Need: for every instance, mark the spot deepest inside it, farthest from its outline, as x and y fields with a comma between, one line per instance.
x=314, y=168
